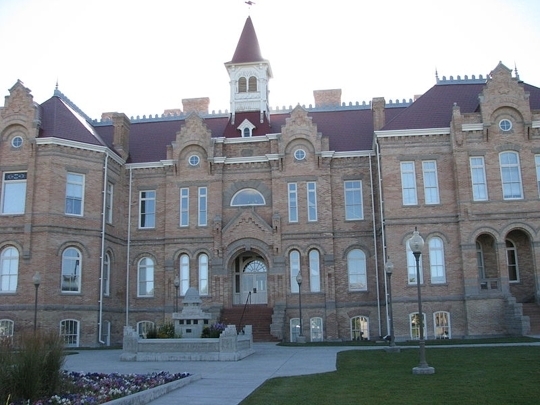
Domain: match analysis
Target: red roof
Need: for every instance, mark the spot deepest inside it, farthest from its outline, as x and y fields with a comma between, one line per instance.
x=248, y=49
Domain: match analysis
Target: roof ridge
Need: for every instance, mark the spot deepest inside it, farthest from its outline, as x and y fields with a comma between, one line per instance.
x=65, y=99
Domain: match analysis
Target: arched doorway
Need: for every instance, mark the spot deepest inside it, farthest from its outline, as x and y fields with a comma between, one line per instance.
x=250, y=279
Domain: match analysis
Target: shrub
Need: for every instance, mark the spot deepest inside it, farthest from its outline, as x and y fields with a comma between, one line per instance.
x=213, y=331
x=166, y=331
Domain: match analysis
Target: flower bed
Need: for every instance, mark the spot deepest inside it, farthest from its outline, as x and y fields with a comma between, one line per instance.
x=98, y=388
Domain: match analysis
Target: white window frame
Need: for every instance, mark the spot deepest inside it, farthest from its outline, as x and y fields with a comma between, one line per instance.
x=203, y=274
x=354, y=209
x=512, y=261
x=311, y=190
x=537, y=163
x=147, y=209
x=411, y=266
x=512, y=187
x=436, y=260
x=107, y=275
x=247, y=197
x=314, y=270
x=480, y=260
x=106, y=333
x=203, y=206
x=75, y=184
x=184, y=207
x=478, y=178
x=71, y=271
x=360, y=328
x=442, y=330
x=69, y=332
x=294, y=325
x=145, y=277
x=357, y=270
x=293, y=201
x=294, y=269
x=14, y=193
x=184, y=274
x=9, y=269
x=143, y=327
x=7, y=326
x=415, y=330
x=316, y=330
x=431, y=182
x=408, y=183
x=109, y=203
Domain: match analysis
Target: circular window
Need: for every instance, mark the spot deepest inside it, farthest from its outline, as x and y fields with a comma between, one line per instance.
x=299, y=154
x=505, y=125
x=17, y=142
x=194, y=160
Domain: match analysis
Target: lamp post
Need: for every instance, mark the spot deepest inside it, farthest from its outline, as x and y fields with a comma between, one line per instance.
x=416, y=243
x=37, y=281
x=389, y=268
x=300, y=338
x=176, y=286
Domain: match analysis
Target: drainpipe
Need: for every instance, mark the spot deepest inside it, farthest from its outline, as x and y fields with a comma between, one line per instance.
x=103, y=224
x=375, y=244
x=383, y=236
x=128, y=246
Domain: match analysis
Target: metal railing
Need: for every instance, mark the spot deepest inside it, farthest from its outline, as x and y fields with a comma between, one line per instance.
x=248, y=300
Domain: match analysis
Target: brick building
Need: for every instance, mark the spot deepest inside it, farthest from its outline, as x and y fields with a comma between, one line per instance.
x=121, y=216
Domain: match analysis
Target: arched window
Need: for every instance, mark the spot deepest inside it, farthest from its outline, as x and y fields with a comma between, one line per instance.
x=295, y=329
x=242, y=85
x=71, y=270
x=360, y=328
x=9, y=269
x=69, y=332
x=441, y=323
x=510, y=176
x=146, y=277
x=247, y=196
x=143, y=327
x=316, y=329
x=411, y=266
x=480, y=260
x=294, y=269
x=356, y=267
x=314, y=271
x=512, y=262
x=203, y=274
x=6, y=328
x=184, y=274
x=414, y=322
x=252, y=85
x=107, y=274
x=436, y=260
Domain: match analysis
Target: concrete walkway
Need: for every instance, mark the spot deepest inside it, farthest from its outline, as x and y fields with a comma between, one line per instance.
x=226, y=383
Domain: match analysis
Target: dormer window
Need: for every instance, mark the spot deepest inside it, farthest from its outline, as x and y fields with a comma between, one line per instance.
x=247, y=85
x=246, y=129
x=242, y=85
x=252, y=84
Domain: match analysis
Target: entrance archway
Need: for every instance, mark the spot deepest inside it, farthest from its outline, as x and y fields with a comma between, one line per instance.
x=250, y=279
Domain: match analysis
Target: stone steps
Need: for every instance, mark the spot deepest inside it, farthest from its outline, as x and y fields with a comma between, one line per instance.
x=259, y=316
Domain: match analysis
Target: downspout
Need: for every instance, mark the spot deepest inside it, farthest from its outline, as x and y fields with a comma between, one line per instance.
x=103, y=224
x=375, y=244
x=128, y=246
x=383, y=236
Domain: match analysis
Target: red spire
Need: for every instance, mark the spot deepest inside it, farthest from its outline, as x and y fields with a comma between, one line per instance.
x=247, y=49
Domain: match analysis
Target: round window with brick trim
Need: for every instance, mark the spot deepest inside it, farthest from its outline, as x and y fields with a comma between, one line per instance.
x=17, y=142
x=505, y=125
x=194, y=160
x=299, y=154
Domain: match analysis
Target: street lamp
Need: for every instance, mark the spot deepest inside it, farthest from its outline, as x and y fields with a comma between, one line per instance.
x=416, y=243
x=300, y=338
x=176, y=286
x=37, y=281
x=389, y=268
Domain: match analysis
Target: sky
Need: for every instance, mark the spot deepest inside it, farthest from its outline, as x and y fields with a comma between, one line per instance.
x=142, y=57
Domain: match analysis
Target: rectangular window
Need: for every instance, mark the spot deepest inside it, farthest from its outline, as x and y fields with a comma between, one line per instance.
x=147, y=209
x=353, y=200
x=478, y=178
x=408, y=183
x=74, y=194
x=14, y=193
x=203, y=274
x=109, y=203
x=293, y=202
x=203, y=202
x=431, y=183
x=312, y=200
x=184, y=207
x=510, y=176
x=537, y=162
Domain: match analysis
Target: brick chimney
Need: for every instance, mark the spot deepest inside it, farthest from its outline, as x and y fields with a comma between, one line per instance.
x=121, y=126
x=379, y=116
x=327, y=98
x=198, y=105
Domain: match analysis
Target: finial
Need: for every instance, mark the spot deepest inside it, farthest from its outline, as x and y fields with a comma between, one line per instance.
x=56, y=87
x=436, y=76
x=516, y=71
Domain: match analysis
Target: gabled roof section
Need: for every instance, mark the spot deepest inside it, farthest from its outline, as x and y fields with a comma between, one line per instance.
x=247, y=50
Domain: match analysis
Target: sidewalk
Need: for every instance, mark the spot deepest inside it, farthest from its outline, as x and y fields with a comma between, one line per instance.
x=226, y=382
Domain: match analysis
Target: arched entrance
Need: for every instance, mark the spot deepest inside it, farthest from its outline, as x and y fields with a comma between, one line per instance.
x=250, y=279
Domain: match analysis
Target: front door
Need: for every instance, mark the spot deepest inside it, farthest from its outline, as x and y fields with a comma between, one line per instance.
x=252, y=281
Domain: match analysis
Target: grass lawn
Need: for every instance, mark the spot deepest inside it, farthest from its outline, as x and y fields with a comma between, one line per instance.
x=490, y=375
